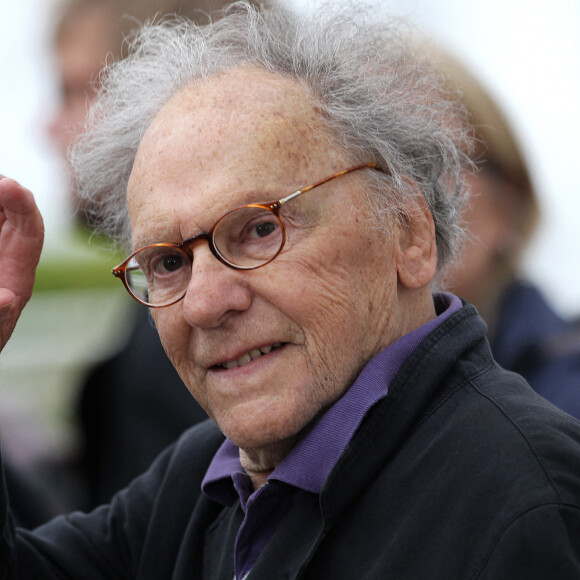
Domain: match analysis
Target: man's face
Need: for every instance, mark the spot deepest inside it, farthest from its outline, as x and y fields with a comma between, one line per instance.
x=309, y=320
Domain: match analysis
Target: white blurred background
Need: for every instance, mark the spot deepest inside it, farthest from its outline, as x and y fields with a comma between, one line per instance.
x=27, y=96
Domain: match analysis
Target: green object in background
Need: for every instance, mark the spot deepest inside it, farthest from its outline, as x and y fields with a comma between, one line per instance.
x=78, y=316
x=80, y=261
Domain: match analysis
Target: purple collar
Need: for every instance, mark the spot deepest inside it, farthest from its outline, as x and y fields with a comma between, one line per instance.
x=308, y=465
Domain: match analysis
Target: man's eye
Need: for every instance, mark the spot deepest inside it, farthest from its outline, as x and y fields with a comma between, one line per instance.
x=172, y=263
x=265, y=229
x=168, y=264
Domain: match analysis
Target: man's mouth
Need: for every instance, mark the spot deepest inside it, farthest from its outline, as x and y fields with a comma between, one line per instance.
x=248, y=357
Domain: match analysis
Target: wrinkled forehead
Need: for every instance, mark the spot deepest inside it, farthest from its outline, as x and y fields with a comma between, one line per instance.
x=240, y=130
x=245, y=108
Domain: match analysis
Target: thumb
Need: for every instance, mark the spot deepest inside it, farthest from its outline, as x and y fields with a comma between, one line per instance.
x=6, y=297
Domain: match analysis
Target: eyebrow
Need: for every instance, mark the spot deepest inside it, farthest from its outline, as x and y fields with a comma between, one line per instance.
x=282, y=197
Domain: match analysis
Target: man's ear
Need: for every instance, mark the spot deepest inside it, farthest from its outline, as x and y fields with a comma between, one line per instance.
x=417, y=252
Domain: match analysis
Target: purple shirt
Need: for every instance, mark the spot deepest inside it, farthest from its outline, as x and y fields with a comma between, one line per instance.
x=307, y=466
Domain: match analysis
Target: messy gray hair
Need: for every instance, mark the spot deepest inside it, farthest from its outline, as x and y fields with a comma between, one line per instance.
x=380, y=101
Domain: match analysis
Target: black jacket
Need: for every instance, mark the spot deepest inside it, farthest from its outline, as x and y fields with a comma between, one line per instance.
x=462, y=472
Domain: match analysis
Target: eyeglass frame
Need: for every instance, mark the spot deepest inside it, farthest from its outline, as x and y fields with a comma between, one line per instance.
x=274, y=207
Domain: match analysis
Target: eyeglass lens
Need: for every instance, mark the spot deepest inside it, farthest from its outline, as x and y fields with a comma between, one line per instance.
x=245, y=238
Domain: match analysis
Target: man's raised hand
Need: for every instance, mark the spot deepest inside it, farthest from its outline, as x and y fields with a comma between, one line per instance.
x=21, y=237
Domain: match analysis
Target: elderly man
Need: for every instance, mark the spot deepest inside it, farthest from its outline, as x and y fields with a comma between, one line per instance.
x=291, y=189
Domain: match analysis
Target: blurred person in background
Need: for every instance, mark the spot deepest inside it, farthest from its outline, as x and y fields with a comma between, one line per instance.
x=133, y=404
x=89, y=33
x=125, y=418
x=527, y=336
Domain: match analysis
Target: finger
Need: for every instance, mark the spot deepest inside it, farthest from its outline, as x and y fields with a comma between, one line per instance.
x=17, y=207
x=21, y=237
x=6, y=297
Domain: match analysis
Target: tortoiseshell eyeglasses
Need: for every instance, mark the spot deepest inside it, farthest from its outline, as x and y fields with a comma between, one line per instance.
x=245, y=238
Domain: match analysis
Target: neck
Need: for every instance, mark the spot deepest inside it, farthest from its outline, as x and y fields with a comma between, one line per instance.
x=418, y=309
x=260, y=463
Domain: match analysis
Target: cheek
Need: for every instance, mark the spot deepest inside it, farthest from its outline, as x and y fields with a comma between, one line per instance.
x=362, y=284
x=336, y=304
x=175, y=336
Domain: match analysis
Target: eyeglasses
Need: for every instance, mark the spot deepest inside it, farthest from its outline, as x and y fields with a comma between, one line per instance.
x=245, y=238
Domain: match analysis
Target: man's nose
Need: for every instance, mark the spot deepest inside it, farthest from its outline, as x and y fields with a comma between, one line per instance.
x=215, y=291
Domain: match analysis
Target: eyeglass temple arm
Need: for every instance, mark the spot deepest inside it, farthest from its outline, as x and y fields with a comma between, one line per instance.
x=290, y=197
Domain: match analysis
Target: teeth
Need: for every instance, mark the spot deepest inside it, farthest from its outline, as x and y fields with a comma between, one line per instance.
x=249, y=356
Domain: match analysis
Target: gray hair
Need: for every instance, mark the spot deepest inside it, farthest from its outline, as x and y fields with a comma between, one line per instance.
x=379, y=99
